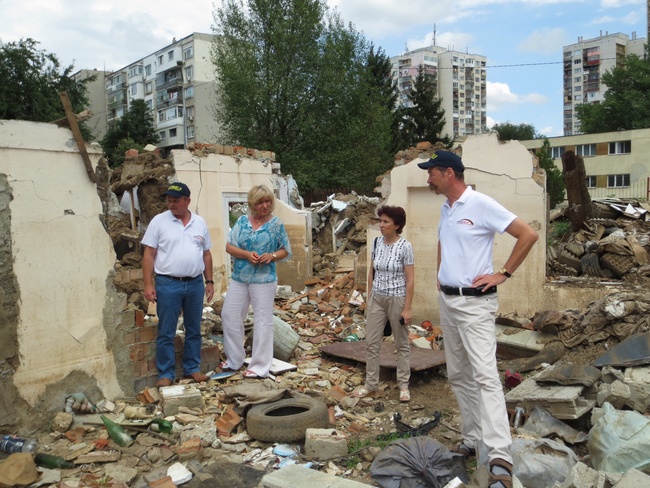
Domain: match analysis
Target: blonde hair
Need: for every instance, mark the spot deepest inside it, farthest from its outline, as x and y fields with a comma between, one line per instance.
x=258, y=193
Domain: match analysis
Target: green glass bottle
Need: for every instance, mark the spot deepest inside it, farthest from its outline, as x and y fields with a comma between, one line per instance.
x=161, y=425
x=117, y=433
x=52, y=462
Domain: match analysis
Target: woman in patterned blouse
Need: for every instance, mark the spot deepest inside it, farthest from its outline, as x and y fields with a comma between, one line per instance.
x=256, y=242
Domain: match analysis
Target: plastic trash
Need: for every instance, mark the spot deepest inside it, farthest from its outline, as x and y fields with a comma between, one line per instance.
x=620, y=441
x=540, y=463
x=11, y=444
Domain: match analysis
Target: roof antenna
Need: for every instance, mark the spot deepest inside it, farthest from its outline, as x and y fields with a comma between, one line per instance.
x=434, y=34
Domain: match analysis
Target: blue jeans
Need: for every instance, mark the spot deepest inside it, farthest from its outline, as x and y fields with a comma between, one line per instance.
x=174, y=296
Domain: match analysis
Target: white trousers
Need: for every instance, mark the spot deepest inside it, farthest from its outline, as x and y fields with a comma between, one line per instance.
x=470, y=350
x=233, y=314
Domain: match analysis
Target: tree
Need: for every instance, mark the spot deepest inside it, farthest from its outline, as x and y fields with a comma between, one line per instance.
x=133, y=131
x=512, y=132
x=626, y=105
x=424, y=118
x=30, y=83
x=294, y=79
x=555, y=185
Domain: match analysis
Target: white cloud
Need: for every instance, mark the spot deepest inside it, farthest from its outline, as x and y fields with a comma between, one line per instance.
x=500, y=97
x=454, y=41
x=547, y=41
x=631, y=19
x=606, y=4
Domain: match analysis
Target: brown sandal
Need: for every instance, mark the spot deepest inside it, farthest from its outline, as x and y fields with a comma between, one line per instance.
x=504, y=479
x=462, y=448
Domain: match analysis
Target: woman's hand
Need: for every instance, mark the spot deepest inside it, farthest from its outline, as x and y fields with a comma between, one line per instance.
x=266, y=258
x=407, y=315
x=253, y=258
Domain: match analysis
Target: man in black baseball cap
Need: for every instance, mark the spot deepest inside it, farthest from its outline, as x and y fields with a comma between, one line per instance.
x=178, y=190
x=444, y=159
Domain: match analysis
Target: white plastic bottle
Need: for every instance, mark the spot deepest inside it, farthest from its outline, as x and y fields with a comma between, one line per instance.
x=11, y=444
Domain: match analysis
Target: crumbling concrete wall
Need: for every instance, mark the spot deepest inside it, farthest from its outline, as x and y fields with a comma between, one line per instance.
x=219, y=179
x=503, y=171
x=56, y=261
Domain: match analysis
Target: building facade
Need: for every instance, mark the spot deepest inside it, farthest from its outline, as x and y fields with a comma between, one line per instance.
x=177, y=83
x=96, y=91
x=584, y=65
x=460, y=84
x=617, y=164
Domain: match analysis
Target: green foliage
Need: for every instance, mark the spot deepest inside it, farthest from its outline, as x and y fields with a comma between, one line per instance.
x=559, y=229
x=30, y=83
x=424, y=119
x=555, y=185
x=133, y=131
x=295, y=80
x=516, y=132
x=626, y=105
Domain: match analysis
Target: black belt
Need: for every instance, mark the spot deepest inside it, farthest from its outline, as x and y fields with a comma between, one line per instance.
x=181, y=278
x=467, y=292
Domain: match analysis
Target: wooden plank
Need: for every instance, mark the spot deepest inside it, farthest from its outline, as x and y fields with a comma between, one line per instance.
x=81, y=144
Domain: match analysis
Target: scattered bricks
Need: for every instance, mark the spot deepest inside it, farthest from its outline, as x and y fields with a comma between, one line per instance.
x=228, y=150
x=210, y=354
x=131, y=153
x=190, y=449
x=240, y=150
x=356, y=428
x=325, y=444
x=228, y=421
x=139, y=318
x=336, y=393
x=176, y=396
x=165, y=482
x=98, y=457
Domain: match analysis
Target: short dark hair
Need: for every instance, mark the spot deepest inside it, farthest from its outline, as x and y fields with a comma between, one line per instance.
x=397, y=214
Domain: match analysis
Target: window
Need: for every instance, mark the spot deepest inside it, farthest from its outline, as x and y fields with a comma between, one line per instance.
x=577, y=79
x=134, y=89
x=149, y=104
x=190, y=132
x=189, y=72
x=591, y=181
x=162, y=135
x=170, y=113
x=172, y=133
x=577, y=71
x=557, y=152
x=620, y=147
x=161, y=116
x=117, y=80
x=578, y=97
x=147, y=70
x=188, y=52
x=148, y=87
x=189, y=92
x=577, y=88
x=170, y=56
x=160, y=60
x=586, y=150
x=577, y=61
x=618, y=181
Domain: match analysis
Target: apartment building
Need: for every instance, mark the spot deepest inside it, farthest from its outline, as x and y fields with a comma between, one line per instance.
x=617, y=163
x=96, y=91
x=177, y=84
x=585, y=62
x=460, y=84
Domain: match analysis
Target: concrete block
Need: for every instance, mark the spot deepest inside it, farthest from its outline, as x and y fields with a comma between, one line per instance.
x=324, y=444
x=176, y=396
x=633, y=479
x=616, y=393
x=638, y=379
x=297, y=475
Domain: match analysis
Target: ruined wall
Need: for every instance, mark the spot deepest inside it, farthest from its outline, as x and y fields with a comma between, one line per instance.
x=217, y=179
x=56, y=261
x=503, y=171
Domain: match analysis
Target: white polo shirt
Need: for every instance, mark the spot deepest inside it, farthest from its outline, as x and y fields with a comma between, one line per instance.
x=466, y=234
x=179, y=248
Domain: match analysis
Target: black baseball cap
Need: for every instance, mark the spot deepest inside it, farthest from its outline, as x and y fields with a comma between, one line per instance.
x=444, y=159
x=178, y=190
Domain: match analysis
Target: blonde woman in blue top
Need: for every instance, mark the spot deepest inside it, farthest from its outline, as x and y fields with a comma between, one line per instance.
x=257, y=242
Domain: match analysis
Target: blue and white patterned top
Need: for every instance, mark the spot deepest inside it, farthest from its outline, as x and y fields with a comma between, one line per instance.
x=269, y=238
x=389, y=260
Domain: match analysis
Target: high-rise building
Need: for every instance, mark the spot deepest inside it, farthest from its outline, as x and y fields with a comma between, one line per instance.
x=460, y=84
x=96, y=91
x=177, y=84
x=584, y=65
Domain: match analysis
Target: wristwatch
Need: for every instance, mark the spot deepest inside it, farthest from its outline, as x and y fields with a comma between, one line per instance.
x=209, y=282
x=275, y=256
x=505, y=273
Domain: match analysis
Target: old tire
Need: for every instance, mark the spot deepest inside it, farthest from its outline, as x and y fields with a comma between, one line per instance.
x=286, y=420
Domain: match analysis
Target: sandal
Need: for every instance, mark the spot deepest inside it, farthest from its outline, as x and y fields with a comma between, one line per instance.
x=223, y=366
x=250, y=374
x=404, y=396
x=502, y=479
x=362, y=392
x=464, y=450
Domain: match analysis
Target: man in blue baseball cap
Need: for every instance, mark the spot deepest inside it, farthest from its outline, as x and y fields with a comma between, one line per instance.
x=177, y=250
x=468, y=305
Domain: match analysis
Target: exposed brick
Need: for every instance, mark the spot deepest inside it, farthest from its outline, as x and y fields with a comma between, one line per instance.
x=190, y=449
x=136, y=352
x=139, y=318
x=228, y=421
x=131, y=153
x=148, y=333
x=210, y=353
x=130, y=338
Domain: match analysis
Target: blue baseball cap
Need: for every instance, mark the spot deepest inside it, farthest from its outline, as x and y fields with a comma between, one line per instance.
x=178, y=190
x=444, y=159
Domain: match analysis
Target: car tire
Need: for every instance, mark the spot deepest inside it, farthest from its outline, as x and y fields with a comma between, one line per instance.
x=286, y=420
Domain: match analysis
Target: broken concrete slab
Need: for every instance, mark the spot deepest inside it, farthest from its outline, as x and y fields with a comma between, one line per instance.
x=176, y=396
x=633, y=351
x=569, y=374
x=421, y=359
x=325, y=444
x=513, y=342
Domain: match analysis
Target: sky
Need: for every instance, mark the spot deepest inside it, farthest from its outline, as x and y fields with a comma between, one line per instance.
x=522, y=39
